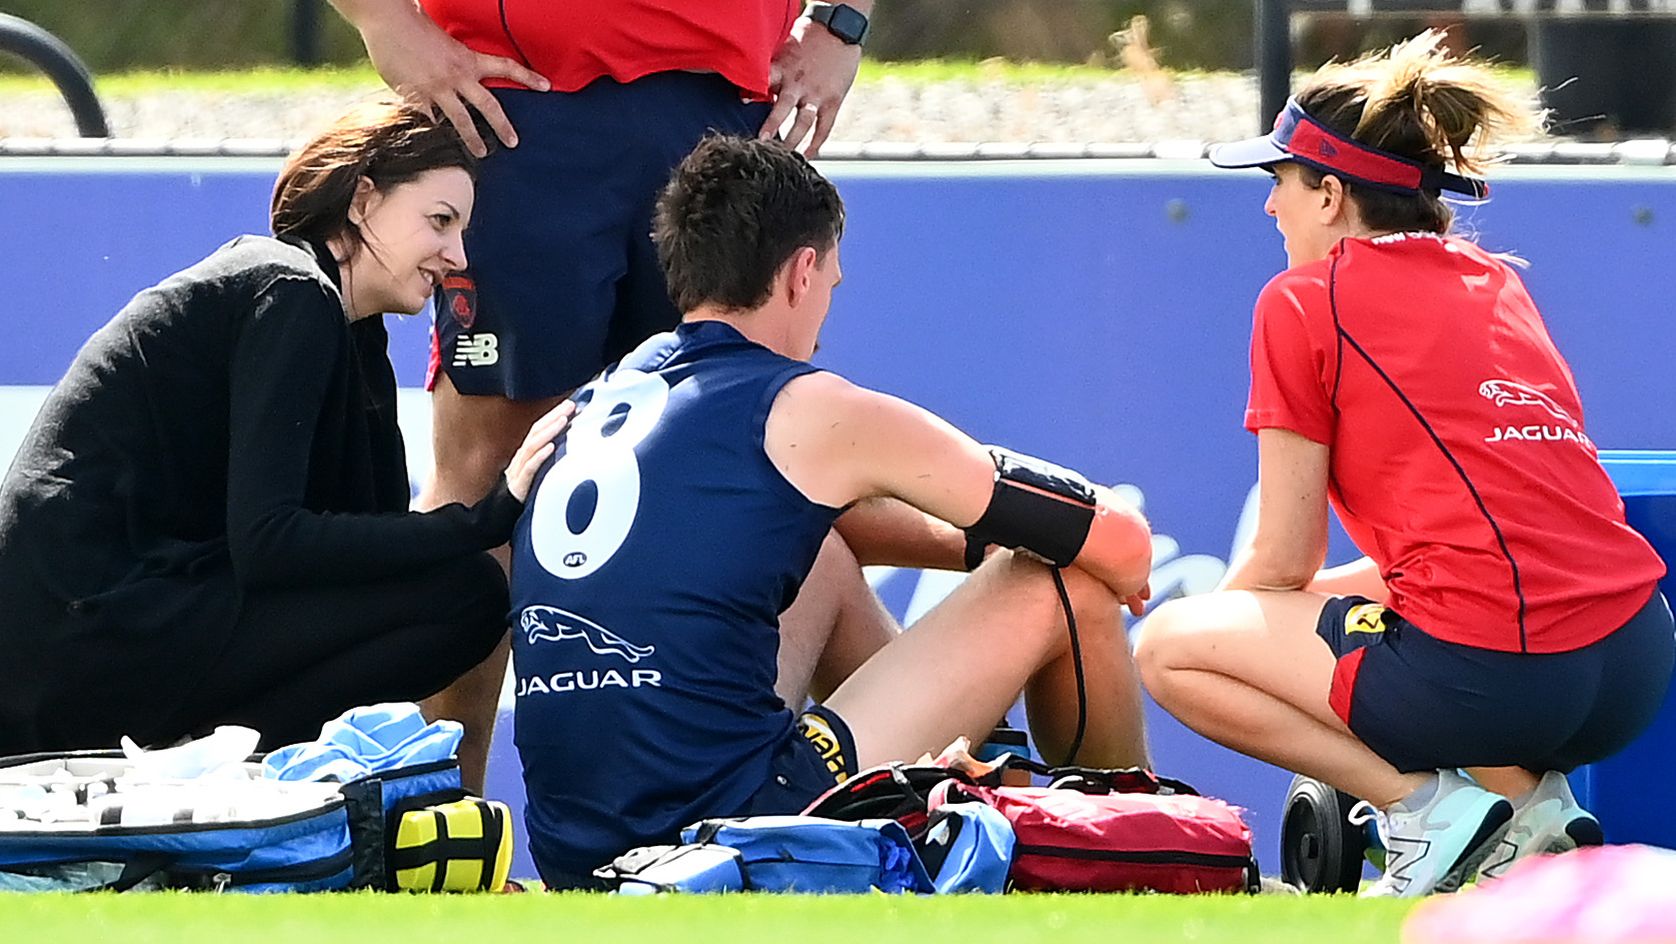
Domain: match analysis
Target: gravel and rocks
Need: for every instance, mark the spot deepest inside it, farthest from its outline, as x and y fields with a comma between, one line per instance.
x=1117, y=109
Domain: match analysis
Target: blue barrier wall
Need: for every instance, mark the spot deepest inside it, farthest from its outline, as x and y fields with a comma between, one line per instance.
x=1093, y=312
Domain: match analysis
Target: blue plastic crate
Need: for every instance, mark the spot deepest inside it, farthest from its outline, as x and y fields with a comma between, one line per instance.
x=1628, y=792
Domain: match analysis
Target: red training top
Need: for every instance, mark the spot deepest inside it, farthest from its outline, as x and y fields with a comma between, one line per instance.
x=574, y=42
x=1459, y=462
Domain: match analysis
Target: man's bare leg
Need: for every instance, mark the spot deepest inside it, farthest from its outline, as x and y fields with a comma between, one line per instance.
x=1107, y=706
x=958, y=670
x=836, y=624
x=472, y=440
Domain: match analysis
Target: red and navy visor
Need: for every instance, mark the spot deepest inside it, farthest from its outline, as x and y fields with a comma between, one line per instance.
x=1299, y=137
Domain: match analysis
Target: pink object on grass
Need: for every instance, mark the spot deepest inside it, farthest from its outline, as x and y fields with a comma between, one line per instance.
x=1601, y=895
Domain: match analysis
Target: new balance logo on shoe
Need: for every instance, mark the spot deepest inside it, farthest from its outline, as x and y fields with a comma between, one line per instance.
x=1441, y=845
x=1548, y=822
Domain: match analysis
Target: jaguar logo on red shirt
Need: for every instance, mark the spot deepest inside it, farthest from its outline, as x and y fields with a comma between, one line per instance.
x=1509, y=393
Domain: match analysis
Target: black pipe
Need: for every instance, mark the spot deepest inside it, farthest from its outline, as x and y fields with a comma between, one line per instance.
x=305, y=32
x=1274, y=59
x=49, y=54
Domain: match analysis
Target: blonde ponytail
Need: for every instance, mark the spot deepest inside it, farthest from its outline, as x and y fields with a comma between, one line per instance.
x=1418, y=101
x=1461, y=108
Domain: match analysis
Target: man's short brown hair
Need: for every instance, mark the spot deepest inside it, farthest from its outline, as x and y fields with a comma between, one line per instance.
x=735, y=211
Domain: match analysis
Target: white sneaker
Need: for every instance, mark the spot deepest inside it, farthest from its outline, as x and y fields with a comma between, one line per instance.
x=1440, y=846
x=1549, y=821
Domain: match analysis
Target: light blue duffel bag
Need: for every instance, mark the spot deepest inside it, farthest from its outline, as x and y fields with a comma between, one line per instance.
x=776, y=854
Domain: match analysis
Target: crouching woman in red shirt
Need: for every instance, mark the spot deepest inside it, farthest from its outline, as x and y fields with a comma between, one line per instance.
x=1506, y=621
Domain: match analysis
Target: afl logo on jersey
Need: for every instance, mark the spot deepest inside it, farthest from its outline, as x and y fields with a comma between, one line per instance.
x=575, y=559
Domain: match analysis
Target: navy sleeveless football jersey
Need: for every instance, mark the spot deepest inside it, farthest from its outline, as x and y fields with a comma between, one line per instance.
x=649, y=570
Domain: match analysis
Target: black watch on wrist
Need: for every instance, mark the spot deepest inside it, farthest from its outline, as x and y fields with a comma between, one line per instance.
x=841, y=20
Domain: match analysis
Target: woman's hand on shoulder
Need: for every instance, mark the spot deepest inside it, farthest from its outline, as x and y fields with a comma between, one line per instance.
x=538, y=445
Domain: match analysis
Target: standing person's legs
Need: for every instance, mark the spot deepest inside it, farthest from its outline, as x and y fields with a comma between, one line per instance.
x=524, y=326
x=298, y=658
x=562, y=280
x=1002, y=632
x=472, y=439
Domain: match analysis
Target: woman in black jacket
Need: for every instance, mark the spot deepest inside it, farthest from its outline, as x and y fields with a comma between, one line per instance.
x=208, y=521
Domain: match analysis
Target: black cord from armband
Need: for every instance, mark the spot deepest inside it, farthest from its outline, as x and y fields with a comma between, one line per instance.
x=1076, y=662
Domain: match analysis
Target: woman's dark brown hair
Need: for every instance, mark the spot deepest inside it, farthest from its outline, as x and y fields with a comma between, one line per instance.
x=1418, y=101
x=387, y=141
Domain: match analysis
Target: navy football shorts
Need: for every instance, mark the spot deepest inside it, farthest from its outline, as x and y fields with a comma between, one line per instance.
x=1424, y=704
x=815, y=755
x=561, y=277
x=818, y=755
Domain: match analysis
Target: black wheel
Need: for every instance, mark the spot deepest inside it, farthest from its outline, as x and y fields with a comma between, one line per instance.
x=1319, y=850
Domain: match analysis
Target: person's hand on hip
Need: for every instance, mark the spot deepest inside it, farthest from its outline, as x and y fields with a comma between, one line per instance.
x=811, y=76
x=433, y=70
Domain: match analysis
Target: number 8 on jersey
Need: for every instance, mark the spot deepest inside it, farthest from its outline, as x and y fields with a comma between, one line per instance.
x=586, y=501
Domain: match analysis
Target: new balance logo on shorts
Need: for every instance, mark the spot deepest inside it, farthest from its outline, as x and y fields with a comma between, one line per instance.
x=476, y=350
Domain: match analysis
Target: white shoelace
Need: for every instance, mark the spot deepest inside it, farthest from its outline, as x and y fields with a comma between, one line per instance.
x=1364, y=811
x=1359, y=815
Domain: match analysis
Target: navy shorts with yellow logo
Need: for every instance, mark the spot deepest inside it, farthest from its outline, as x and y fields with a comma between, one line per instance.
x=818, y=754
x=1424, y=704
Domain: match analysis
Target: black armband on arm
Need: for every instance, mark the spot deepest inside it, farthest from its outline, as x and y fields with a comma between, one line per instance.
x=1038, y=506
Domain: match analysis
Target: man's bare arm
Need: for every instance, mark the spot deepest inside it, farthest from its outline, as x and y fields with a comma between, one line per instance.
x=893, y=533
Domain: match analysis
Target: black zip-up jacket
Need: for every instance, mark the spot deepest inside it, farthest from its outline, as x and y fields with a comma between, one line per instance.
x=228, y=432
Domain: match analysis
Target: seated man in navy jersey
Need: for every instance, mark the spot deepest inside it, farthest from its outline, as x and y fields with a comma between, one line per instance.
x=712, y=475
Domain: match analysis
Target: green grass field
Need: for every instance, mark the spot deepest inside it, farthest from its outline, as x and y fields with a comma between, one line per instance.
x=729, y=919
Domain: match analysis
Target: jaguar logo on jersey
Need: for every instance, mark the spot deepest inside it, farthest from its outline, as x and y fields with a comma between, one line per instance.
x=459, y=296
x=551, y=624
x=1511, y=394
x=476, y=350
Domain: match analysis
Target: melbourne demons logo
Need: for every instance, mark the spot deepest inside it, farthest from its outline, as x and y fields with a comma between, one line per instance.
x=1508, y=393
x=552, y=624
x=459, y=296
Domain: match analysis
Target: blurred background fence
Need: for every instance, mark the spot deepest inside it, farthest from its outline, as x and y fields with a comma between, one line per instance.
x=117, y=35
x=1607, y=67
